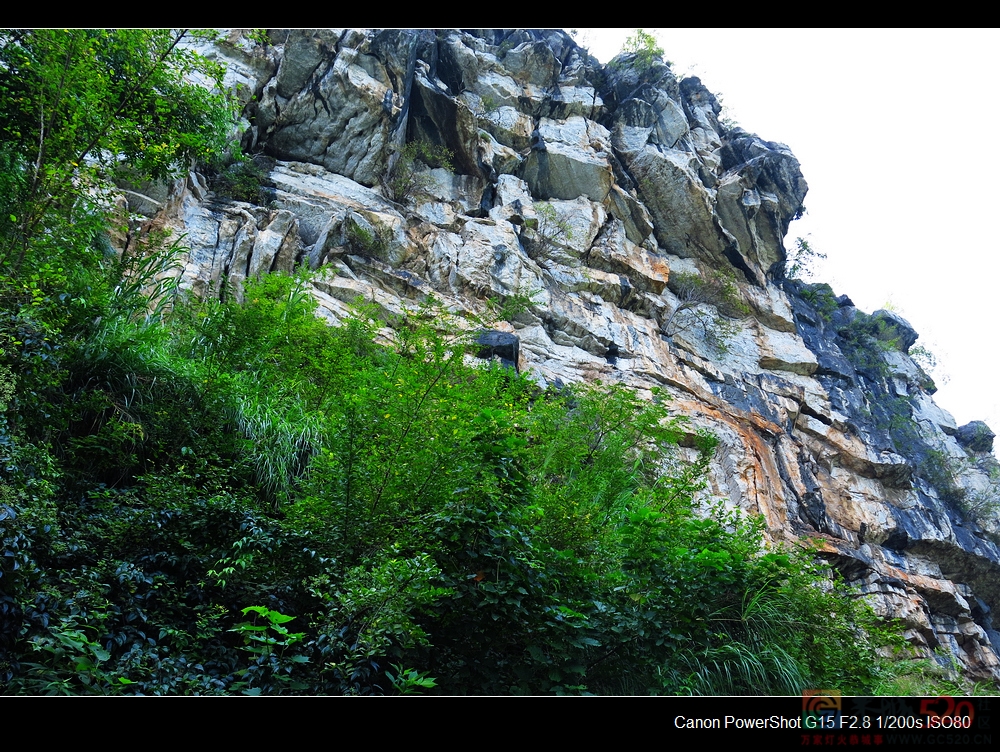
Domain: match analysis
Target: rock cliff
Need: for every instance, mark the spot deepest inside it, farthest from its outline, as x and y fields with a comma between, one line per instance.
x=650, y=239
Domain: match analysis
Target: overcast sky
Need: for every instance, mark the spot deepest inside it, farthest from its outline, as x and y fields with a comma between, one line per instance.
x=894, y=132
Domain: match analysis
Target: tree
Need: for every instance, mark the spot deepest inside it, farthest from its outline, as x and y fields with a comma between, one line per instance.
x=79, y=105
x=645, y=49
x=718, y=288
x=801, y=260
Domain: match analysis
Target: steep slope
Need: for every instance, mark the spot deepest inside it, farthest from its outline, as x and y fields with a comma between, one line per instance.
x=650, y=239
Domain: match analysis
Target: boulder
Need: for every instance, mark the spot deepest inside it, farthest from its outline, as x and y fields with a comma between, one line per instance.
x=570, y=158
x=976, y=436
x=892, y=326
x=502, y=345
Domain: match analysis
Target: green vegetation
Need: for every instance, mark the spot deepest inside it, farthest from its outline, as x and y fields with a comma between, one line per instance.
x=487, y=111
x=864, y=340
x=820, y=296
x=718, y=288
x=76, y=105
x=367, y=238
x=801, y=260
x=983, y=506
x=645, y=49
x=403, y=507
x=549, y=231
x=211, y=497
x=928, y=363
x=404, y=179
x=924, y=677
x=940, y=470
x=243, y=179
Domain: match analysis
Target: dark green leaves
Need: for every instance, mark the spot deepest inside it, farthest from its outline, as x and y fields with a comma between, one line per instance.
x=429, y=524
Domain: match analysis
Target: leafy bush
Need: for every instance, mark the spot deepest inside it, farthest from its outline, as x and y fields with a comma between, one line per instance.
x=940, y=470
x=245, y=179
x=404, y=180
x=820, y=296
x=863, y=340
x=928, y=363
x=453, y=520
x=719, y=289
x=549, y=232
x=486, y=110
x=643, y=46
x=367, y=238
x=802, y=259
x=929, y=678
x=77, y=103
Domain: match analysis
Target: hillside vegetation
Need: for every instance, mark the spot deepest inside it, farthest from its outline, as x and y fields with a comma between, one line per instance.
x=212, y=496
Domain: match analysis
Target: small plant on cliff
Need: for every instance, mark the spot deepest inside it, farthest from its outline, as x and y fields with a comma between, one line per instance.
x=820, y=296
x=370, y=239
x=242, y=180
x=404, y=180
x=802, y=260
x=941, y=471
x=487, y=110
x=923, y=358
x=644, y=47
x=550, y=231
x=718, y=288
x=928, y=363
x=864, y=340
x=983, y=506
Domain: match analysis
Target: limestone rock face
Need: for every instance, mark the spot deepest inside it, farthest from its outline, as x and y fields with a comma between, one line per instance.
x=650, y=240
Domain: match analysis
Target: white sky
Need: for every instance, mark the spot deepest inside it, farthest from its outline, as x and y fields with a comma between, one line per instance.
x=893, y=132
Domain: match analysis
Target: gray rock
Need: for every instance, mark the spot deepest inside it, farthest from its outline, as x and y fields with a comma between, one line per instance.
x=892, y=326
x=976, y=436
x=680, y=205
x=304, y=50
x=502, y=345
x=343, y=114
x=570, y=158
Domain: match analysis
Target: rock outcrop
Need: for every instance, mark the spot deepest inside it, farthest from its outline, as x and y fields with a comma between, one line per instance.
x=649, y=237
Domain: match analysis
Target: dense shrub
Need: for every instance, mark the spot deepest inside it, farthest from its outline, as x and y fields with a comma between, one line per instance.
x=243, y=179
x=403, y=507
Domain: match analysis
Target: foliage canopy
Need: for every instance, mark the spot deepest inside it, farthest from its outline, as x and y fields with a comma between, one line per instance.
x=644, y=48
x=431, y=525
x=78, y=106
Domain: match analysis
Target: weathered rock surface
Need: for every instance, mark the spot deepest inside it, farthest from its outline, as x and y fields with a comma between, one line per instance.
x=586, y=188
